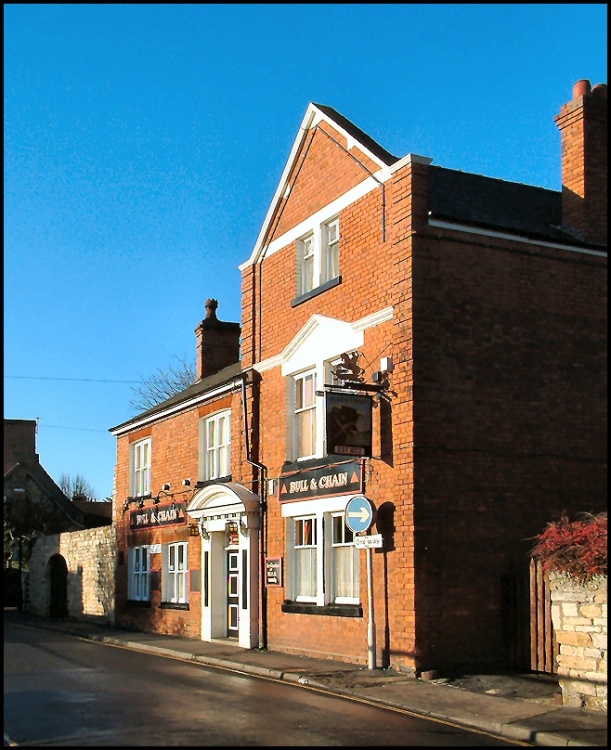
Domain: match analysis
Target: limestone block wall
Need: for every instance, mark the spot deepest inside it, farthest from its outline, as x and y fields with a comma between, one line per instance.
x=90, y=557
x=579, y=616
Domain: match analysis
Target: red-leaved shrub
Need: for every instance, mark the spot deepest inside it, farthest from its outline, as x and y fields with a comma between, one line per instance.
x=577, y=548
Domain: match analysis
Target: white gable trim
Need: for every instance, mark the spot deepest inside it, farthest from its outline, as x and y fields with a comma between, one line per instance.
x=312, y=118
x=322, y=338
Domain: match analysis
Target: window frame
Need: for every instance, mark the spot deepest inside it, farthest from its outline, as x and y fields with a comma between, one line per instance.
x=326, y=587
x=136, y=575
x=173, y=576
x=318, y=256
x=221, y=450
x=323, y=374
x=140, y=468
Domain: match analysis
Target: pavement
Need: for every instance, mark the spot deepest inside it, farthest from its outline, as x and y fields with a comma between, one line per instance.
x=521, y=707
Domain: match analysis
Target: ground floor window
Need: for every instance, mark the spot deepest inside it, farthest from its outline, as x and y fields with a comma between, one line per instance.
x=322, y=561
x=175, y=572
x=138, y=574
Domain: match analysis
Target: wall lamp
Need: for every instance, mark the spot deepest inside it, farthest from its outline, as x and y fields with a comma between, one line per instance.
x=203, y=531
x=165, y=490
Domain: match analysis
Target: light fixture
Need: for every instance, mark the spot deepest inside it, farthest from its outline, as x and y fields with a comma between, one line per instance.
x=165, y=487
x=141, y=503
x=186, y=482
x=244, y=525
x=203, y=531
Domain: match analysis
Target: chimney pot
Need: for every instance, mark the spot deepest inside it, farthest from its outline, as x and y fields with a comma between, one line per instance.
x=600, y=91
x=581, y=88
x=211, y=307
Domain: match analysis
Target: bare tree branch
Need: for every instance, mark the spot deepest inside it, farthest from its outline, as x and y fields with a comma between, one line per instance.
x=163, y=384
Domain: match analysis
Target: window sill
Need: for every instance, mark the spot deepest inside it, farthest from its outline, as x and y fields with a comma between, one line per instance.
x=133, y=498
x=174, y=605
x=330, y=610
x=216, y=480
x=331, y=459
x=315, y=292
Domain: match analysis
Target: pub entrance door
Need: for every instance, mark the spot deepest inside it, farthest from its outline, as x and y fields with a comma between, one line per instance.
x=233, y=592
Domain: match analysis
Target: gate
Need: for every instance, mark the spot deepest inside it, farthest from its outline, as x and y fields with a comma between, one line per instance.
x=543, y=646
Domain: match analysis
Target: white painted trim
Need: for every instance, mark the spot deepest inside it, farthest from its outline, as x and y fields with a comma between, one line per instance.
x=311, y=119
x=171, y=410
x=369, y=321
x=437, y=223
x=409, y=159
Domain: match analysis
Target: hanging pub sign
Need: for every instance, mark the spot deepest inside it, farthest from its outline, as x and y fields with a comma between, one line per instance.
x=348, y=419
x=335, y=479
x=157, y=515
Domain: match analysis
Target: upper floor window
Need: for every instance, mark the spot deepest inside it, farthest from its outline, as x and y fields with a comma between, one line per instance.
x=138, y=574
x=318, y=257
x=140, y=475
x=215, y=446
x=306, y=429
x=306, y=433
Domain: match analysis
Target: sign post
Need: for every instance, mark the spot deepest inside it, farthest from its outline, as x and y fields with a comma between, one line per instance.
x=359, y=517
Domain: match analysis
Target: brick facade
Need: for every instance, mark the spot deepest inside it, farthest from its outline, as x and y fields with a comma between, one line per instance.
x=489, y=299
x=494, y=417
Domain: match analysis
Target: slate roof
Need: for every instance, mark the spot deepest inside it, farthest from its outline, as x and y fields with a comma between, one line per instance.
x=492, y=203
x=476, y=200
x=200, y=387
x=358, y=134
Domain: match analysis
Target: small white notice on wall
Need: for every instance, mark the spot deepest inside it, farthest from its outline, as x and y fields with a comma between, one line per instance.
x=154, y=548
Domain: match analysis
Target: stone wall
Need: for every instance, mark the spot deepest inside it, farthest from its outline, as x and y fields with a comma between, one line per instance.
x=90, y=557
x=579, y=615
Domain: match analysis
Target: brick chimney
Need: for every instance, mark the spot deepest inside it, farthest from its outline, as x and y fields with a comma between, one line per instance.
x=218, y=343
x=583, y=129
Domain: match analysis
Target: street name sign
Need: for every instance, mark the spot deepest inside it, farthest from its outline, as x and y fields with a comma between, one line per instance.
x=367, y=542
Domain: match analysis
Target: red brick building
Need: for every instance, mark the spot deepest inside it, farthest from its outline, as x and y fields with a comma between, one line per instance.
x=480, y=307
x=427, y=341
x=174, y=472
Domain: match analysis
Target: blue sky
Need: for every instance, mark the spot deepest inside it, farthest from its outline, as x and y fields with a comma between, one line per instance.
x=143, y=145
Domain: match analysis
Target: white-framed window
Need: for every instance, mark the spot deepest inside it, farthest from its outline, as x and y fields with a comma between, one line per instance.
x=215, y=445
x=140, y=475
x=344, y=561
x=318, y=256
x=175, y=589
x=305, y=558
x=322, y=561
x=138, y=569
x=306, y=427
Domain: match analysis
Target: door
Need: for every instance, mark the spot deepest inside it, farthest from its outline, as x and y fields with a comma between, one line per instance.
x=58, y=579
x=233, y=592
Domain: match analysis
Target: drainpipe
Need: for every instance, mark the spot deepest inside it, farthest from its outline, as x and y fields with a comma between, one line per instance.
x=262, y=521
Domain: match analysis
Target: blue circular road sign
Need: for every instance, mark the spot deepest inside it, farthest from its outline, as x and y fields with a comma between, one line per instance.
x=359, y=514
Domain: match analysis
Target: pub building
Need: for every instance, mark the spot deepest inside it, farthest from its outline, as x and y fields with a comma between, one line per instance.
x=403, y=407
x=187, y=533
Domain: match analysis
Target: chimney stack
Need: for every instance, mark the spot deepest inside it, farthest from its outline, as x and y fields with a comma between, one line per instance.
x=583, y=128
x=218, y=343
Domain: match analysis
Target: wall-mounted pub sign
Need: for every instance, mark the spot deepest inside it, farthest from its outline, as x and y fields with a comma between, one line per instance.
x=323, y=481
x=348, y=419
x=273, y=571
x=158, y=515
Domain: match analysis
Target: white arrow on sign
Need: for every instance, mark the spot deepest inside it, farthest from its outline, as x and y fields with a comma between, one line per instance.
x=363, y=514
